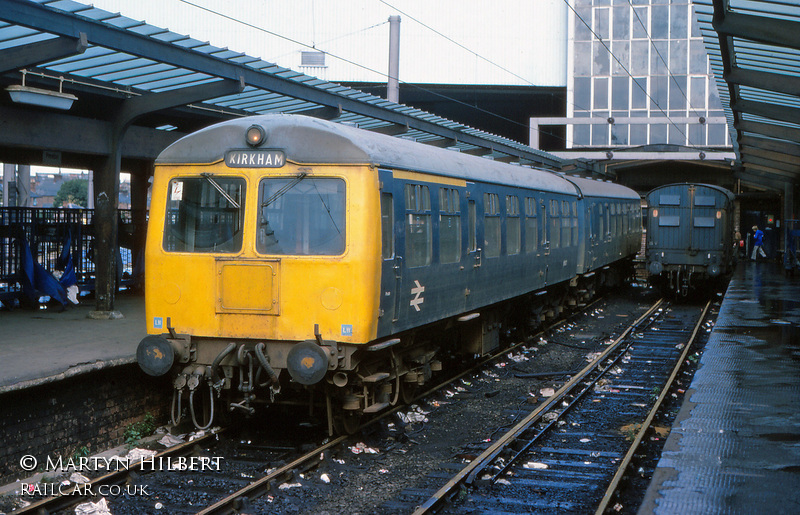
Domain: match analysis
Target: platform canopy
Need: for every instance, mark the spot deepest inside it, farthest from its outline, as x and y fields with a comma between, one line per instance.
x=100, y=59
x=754, y=47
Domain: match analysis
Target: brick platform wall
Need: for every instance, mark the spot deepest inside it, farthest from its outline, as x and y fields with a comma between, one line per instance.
x=91, y=410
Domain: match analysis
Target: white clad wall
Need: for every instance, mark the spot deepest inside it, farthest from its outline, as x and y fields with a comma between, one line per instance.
x=501, y=42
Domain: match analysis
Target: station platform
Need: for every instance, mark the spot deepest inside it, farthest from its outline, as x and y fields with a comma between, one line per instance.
x=735, y=446
x=42, y=346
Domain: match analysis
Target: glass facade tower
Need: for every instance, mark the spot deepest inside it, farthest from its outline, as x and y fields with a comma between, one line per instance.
x=638, y=74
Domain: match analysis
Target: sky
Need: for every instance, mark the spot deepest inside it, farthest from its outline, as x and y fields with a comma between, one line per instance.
x=507, y=42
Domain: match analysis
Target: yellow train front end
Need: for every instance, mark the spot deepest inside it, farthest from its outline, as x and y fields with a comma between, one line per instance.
x=261, y=274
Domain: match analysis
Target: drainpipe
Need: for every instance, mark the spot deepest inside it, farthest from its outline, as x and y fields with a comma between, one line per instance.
x=393, y=86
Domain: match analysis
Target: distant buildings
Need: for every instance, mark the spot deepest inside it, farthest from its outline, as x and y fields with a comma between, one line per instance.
x=45, y=186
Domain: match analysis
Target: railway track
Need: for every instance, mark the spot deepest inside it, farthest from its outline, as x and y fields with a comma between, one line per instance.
x=260, y=487
x=571, y=453
x=242, y=501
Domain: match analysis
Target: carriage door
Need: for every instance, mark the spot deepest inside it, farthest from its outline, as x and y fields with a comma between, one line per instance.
x=474, y=255
x=703, y=217
x=545, y=229
x=391, y=259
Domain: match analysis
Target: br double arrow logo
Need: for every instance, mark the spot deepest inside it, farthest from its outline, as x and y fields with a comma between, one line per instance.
x=416, y=291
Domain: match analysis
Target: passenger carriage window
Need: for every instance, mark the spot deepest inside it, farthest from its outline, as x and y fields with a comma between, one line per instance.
x=544, y=225
x=531, y=230
x=619, y=220
x=449, y=226
x=601, y=223
x=491, y=224
x=574, y=223
x=566, y=224
x=419, y=238
x=625, y=220
x=387, y=226
x=472, y=221
x=513, y=229
x=301, y=216
x=613, y=227
x=204, y=214
x=555, y=225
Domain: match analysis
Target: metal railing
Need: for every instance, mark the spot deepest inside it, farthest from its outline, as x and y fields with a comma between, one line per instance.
x=47, y=231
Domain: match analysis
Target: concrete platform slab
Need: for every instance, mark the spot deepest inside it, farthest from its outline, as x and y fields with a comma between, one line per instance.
x=41, y=346
x=735, y=447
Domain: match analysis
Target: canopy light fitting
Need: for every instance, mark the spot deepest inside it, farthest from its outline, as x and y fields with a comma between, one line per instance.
x=41, y=97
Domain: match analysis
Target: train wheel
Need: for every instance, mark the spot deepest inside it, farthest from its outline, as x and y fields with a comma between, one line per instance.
x=407, y=392
x=347, y=422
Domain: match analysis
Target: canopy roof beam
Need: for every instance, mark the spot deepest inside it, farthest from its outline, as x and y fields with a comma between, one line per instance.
x=32, y=54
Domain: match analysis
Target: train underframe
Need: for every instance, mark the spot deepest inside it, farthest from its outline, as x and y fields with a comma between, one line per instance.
x=217, y=377
x=684, y=280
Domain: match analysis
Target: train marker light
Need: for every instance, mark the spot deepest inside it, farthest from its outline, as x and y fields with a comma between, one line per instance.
x=655, y=213
x=255, y=135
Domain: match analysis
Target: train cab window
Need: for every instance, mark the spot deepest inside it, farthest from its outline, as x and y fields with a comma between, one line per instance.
x=531, y=230
x=491, y=224
x=204, y=214
x=419, y=237
x=472, y=222
x=513, y=229
x=449, y=225
x=387, y=226
x=555, y=225
x=301, y=216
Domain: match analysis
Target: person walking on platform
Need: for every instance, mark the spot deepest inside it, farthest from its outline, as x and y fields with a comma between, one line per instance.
x=758, y=243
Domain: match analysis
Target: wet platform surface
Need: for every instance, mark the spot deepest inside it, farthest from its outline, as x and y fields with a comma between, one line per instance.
x=41, y=346
x=735, y=447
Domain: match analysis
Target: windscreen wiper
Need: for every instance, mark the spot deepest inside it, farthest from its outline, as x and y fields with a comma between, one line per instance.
x=281, y=192
x=207, y=176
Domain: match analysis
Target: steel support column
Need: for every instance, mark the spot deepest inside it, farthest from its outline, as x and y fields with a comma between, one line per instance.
x=107, y=181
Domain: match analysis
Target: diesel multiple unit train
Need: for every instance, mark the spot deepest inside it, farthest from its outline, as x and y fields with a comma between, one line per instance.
x=290, y=256
x=690, y=237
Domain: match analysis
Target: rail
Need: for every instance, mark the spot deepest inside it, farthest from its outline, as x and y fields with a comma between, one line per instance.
x=620, y=473
x=469, y=473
